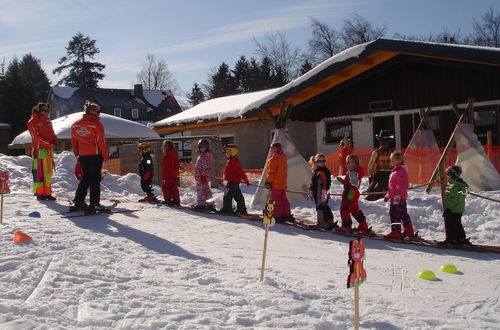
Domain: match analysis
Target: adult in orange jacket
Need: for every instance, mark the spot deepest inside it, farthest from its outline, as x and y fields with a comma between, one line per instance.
x=42, y=140
x=170, y=174
x=276, y=180
x=89, y=146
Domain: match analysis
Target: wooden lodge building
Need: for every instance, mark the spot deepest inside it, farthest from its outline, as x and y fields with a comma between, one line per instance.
x=377, y=85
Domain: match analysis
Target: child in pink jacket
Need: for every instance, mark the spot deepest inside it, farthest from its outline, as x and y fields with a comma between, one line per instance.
x=397, y=195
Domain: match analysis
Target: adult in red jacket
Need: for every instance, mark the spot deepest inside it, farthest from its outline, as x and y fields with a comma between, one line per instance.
x=234, y=175
x=89, y=146
x=42, y=140
x=170, y=174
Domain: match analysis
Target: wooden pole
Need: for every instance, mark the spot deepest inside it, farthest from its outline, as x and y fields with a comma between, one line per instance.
x=266, y=226
x=489, y=143
x=356, y=308
x=1, y=209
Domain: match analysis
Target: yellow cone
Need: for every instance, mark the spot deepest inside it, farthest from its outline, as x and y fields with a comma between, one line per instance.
x=427, y=275
x=449, y=268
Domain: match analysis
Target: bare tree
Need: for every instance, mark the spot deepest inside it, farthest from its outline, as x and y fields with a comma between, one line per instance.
x=285, y=59
x=325, y=42
x=445, y=36
x=487, y=29
x=155, y=75
x=358, y=30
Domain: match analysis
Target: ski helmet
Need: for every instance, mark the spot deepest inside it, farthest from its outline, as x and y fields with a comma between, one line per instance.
x=203, y=142
x=144, y=147
x=233, y=149
x=454, y=171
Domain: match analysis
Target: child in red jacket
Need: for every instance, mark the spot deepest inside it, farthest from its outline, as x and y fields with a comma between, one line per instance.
x=234, y=175
x=170, y=173
x=350, y=197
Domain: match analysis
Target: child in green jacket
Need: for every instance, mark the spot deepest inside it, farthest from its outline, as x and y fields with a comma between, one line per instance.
x=456, y=191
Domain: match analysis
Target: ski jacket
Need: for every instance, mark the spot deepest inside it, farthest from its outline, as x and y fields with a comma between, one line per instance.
x=41, y=131
x=170, y=164
x=146, y=167
x=342, y=155
x=352, y=180
x=203, y=166
x=87, y=137
x=398, y=183
x=276, y=169
x=234, y=171
x=455, y=194
x=321, y=179
x=380, y=160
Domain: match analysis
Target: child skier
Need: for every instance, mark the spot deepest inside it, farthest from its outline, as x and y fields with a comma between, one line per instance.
x=397, y=195
x=350, y=197
x=276, y=180
x=456, y=192
x=202, y=171
x=170, y=173
x=234, y=175
x=318, y=192
x=146, y=173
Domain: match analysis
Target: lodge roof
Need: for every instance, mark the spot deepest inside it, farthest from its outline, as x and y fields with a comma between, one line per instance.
x=326, y=75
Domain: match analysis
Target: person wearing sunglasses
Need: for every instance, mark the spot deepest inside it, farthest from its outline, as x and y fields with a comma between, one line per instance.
x=318, y=192
x=43, y=139
x=89, y=146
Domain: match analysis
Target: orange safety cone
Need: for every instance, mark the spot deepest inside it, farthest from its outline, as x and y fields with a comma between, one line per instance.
x=19, y=237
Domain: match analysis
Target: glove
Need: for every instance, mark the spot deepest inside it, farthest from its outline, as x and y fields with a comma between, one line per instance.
x=340, y=179
x=350, y=195
x=147, y=175
x=78, y=171
x=386, y=198
x=396, y=199
x=324, y=195
x=203, y=179
x=247, y=182
x=310, y=195
x=268, y=185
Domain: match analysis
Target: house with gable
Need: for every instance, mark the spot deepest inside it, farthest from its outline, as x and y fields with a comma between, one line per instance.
x=133, y=104
x=382, y=84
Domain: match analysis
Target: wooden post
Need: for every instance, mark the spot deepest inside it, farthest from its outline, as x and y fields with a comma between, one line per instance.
x=1, y=209
x=489, y=144
x=356, y=308
x=266, y=226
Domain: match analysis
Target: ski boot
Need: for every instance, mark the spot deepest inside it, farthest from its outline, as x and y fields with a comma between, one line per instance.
x=97, y=208
x=362, y=228
x=81, y=206
x=147, y=199
x=408, y=232
x=394, y=235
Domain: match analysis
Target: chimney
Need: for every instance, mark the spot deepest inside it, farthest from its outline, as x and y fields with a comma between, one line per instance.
x=138, y=91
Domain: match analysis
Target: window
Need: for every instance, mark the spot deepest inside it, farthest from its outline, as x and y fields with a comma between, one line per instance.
x=380, y=105
x=485, y=120
x=135, y=113
x=117, y=112
x=335, y=130
x=227, y=139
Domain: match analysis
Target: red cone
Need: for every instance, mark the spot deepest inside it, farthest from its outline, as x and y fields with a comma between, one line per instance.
x=19, y=237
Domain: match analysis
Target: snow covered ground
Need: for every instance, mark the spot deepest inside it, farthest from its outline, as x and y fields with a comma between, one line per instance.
x=177, y=269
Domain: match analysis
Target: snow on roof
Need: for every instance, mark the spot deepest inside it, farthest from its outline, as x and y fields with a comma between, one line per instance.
x=114, y=127
x=64, y=92
x=215, y=109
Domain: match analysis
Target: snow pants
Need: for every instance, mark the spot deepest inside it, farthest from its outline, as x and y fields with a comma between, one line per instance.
x=170, y=189
x=147, y=186
x=324, y=213
x=399, y=215
x=203, y=193
x=42, y=169
x=453, y=226
x=282, y=208
x=91, y=167
x=350, y=207
x=232, y=191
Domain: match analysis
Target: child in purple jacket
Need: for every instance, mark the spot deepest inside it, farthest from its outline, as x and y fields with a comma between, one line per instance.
x=397, y=195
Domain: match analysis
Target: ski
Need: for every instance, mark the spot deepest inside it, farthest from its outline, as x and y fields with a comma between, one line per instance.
x=98, y=213
x=115, y=204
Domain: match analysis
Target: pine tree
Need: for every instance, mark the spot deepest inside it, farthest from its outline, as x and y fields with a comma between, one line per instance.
x=221, y=83
x=306, y=66
x=241, y=74
x=82, y=72
x=196, y=96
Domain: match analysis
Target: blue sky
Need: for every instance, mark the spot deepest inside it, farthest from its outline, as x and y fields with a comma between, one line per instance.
x=194, y=37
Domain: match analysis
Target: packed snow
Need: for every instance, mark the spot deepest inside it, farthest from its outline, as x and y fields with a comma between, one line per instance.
x=177, y=269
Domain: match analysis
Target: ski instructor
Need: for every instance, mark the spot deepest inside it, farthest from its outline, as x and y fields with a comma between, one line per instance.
x=89, y=146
